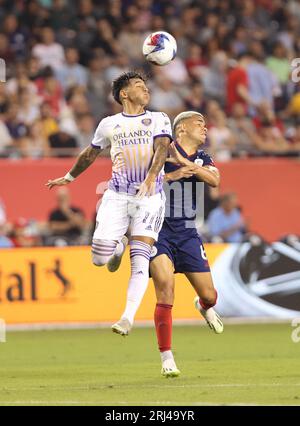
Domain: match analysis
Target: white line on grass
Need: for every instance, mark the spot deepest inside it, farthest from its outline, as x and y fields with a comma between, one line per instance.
x=160, y=386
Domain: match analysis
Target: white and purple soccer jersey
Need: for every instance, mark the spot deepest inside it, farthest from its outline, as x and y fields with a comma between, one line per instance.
x=131, y=138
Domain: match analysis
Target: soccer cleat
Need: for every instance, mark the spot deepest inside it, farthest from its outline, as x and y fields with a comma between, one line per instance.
x=122, y=327
x=169, y=369
x=115, y=262
x=211, y=317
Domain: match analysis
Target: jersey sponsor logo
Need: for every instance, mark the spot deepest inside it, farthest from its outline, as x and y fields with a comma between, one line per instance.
x=199, y=161
x=147, y=121
x=117, y=127
x=139, y=137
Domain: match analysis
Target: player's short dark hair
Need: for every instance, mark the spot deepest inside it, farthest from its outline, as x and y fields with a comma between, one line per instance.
x=123, y=81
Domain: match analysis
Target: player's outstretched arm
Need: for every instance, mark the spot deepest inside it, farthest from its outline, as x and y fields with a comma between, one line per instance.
x=84, y=160
x=161, y=148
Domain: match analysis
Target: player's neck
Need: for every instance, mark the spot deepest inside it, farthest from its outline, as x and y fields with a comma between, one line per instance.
x=130, y=109
x=189, y=147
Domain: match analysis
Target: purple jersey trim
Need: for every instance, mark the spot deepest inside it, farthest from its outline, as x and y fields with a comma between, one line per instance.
x=128, y=115
x=96, y=146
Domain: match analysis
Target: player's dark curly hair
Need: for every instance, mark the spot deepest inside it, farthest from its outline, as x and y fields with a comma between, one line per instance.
x=123, y=81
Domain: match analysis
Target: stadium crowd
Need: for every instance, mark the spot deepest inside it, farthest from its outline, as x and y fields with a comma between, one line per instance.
x=233, y=65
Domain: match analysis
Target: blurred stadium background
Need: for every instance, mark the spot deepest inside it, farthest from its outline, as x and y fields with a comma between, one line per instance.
x=234, y=65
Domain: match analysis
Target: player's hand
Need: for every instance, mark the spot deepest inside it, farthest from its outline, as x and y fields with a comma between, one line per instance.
x=182, y=173
x=176, y=157
x=147, y=188
x=57, y=182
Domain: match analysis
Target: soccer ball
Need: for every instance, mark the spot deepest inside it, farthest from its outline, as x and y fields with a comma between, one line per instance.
x=160, y=48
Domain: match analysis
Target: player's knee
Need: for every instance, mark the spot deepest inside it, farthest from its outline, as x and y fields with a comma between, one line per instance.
x=209, y=297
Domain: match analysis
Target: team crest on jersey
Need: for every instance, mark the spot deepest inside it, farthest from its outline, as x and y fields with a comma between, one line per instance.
x=199, y=161
x=147, y=121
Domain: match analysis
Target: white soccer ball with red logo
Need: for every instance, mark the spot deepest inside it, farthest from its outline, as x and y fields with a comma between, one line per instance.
x=160, y=48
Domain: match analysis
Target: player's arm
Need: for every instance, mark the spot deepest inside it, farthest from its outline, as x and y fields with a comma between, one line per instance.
x=161, y=149
x=84, y=160
x=208, y=173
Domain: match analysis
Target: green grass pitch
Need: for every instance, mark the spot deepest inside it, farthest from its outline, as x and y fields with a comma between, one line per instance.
x=248, y=364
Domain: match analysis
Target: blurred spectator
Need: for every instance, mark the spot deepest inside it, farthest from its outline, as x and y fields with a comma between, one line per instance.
x=28, y=107
x=262, y=84
x=97, y=88
x=90, y=42
x=66, y=222
x=104, y=39
x=16, y=128
x=49, y=124
x=195, y=101
x=17, y=37
x=50, y=91
x=221, y=139
x=36, y=144
x=6, y=141
x=164, y=98
x=2, y=213
x=279, y=64
x=72, y=73
x=5, y=241
x=131, y=40
x=19, y=81
x=86, y=130
x=195, y=63
x=25, y=234
x=176, y=72
x=48, y=51
x=214, y=80
x=243, y=130
x=119, y=65
x=211, y=199
x=225, y=223
x=238, y=84
x=62, y=144
x=6, y=51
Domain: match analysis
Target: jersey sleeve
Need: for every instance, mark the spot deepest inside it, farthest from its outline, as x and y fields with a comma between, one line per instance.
x=100, y=139
x=162, y=127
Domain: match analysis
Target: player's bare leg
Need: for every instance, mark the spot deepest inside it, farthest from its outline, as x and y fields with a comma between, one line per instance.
x=162, y=272
x=206, y=299
x=140, y=250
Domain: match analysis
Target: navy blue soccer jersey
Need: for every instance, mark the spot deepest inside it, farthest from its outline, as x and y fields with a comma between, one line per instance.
x=185, y=195
x=178, y=238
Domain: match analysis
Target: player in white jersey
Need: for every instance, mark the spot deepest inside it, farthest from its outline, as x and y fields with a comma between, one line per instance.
x=135, y=202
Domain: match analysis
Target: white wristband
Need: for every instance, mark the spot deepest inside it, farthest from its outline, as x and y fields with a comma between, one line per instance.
x=69, y=177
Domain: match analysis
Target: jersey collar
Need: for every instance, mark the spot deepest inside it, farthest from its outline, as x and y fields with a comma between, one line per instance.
x=129, y=115
x=182, y=151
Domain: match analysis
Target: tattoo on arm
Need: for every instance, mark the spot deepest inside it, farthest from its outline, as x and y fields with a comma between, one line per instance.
x=160, y=156
x=85, y=159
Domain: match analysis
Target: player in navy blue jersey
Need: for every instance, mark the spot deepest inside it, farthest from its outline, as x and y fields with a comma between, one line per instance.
x=179, y=248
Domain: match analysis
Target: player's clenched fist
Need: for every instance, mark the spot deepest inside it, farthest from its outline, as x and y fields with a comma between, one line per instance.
x=57, y=182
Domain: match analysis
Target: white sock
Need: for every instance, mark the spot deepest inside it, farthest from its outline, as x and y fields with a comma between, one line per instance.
x=166, y=355
x=138, y=283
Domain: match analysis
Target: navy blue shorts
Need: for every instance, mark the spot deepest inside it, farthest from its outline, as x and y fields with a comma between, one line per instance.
x=185, y=249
